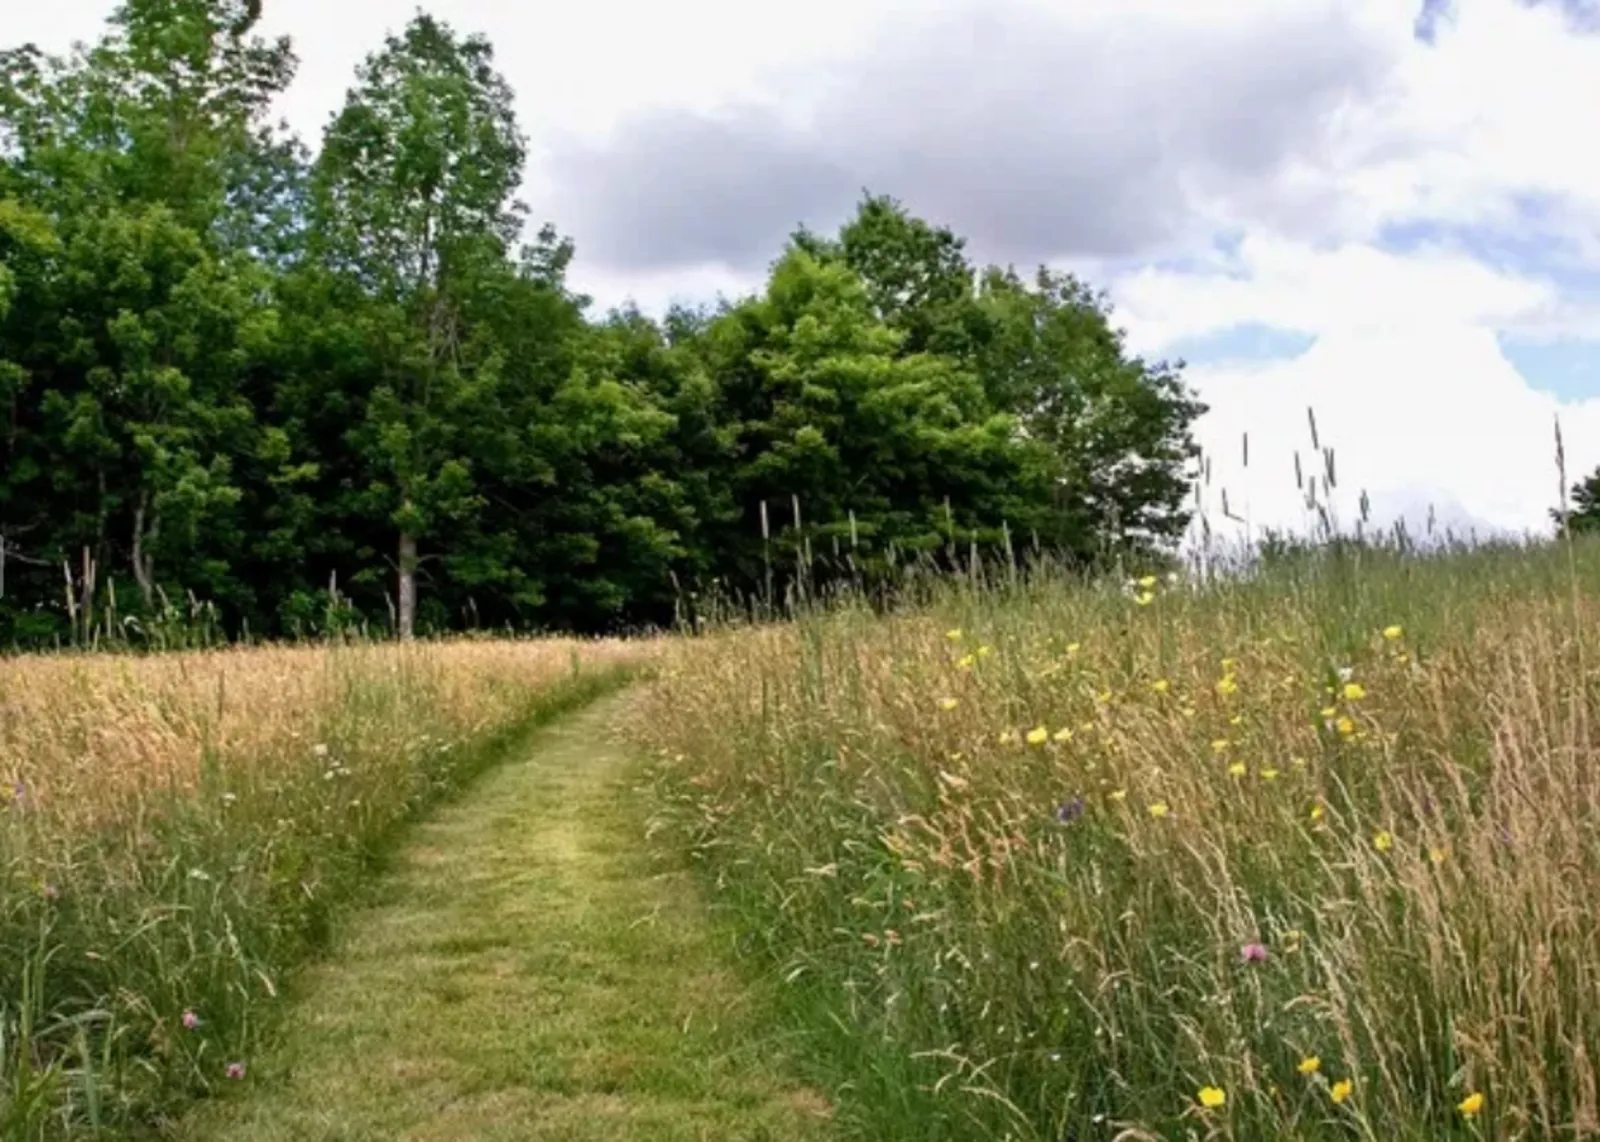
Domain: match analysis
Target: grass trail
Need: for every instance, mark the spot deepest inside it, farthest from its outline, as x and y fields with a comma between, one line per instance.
x=525, y=973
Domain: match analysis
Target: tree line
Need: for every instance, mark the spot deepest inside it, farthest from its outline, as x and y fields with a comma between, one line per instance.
x=297, y=389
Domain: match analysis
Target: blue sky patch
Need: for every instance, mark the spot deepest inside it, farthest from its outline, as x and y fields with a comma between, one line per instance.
x=1568, y=369
x=1252, y=342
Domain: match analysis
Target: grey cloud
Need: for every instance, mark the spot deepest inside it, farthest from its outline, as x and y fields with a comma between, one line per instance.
x=1033, y=139
x=1582, y=15
x=676, y=188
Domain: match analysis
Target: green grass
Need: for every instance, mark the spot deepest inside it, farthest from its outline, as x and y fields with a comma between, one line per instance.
x=186, y=830
x=526, y=972
x=1001, y=855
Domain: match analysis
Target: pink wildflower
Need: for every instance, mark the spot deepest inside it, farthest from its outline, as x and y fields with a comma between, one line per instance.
x=1254, y=953
x=235, y=1070
x=190, y=1020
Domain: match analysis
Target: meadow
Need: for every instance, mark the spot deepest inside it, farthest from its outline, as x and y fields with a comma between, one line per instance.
x=181, y=830
x=1308, y=850
x=1311, y=851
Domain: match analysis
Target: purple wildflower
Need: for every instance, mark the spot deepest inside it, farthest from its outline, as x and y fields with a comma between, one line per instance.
x=1069, y=811
x=190, y=1020
x=1254, y=953
x=234, y=1070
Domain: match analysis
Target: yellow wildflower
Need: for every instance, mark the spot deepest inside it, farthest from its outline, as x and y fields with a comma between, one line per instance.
x=948, y=703
x=966, y=661
x=1328, y=711
x=1316, y=812
x=1309, y=1065
x=1160, y=685
x=1212, y=1097
x=1038, y=735
x=1438, y=855
x=1229, y=665
x=1345, y=726
x=1383, y=840
x=1236, y=720
x=1220, y=745
x=1354, y=691
x=1237, y=769
x=1393, y=633
x=1226, y=685
x=1269, y=775
x=1341, y=1090
x=1159, y=809
x=1298, y=762
x=1472, y=1105
x=953, y=634
x=1074, y=647
x=1119, y=794
x=985, y=651
x=1148, y=583
x=1009, y=737
x=1144, y=598
x=1062, y=735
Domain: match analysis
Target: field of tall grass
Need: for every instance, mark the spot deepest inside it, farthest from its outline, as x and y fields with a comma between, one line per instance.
x=179, y=829
x=1311, y=851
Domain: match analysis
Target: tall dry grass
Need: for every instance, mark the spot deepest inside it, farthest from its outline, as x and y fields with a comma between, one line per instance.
x=179, y=830
x=1048, y=861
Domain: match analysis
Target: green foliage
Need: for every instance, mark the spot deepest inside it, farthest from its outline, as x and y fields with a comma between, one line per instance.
x=315, y=392
x=1583, y=514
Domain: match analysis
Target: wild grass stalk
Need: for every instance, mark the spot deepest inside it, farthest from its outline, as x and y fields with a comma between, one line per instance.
x=181, y=830
x=1315, y=842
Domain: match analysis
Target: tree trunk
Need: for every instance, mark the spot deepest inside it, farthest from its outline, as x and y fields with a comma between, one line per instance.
x=408, y=585
x=144, y=562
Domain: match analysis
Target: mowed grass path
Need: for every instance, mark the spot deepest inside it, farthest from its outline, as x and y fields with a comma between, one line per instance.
x=525, y=973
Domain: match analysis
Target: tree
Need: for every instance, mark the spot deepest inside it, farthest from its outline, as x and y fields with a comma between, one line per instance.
x=890, y=453
x=1583, y=513
x=137, y=337
x=1117, y=428
x=305, y=391
x=1114, y=429
x=413, y=211
x=917, y=275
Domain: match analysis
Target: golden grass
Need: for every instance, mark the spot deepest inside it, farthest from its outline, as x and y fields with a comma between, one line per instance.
x=181, y=829
x=1024, y=841
x=85, y=735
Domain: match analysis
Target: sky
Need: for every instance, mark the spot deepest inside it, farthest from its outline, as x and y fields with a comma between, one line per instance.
x=1387, y=211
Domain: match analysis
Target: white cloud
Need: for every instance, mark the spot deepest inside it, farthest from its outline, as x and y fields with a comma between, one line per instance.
x=1426, y=416
x=1355, y=289
x=1406, y=377
x=1484, y=133
x=656, y=291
